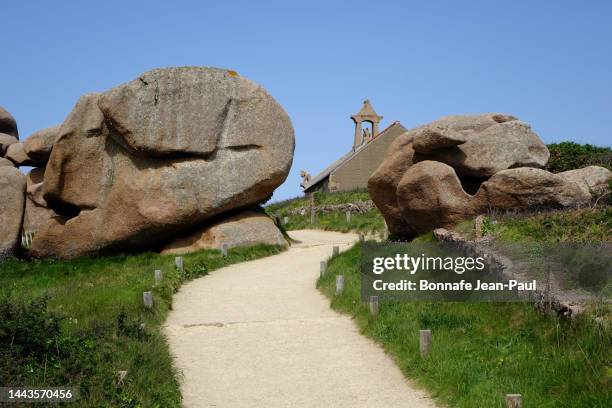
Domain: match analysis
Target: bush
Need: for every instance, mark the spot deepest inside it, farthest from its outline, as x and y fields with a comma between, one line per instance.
x=569, y=156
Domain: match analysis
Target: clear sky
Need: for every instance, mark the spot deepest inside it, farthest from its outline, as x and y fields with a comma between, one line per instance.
x=547, y=62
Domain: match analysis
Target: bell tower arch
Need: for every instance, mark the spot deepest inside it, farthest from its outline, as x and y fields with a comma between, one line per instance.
x=366, y=114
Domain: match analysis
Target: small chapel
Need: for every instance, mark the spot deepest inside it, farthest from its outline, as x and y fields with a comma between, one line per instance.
x=353, y=170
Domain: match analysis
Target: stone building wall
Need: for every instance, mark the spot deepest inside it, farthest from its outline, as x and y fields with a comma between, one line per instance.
x=356, y=171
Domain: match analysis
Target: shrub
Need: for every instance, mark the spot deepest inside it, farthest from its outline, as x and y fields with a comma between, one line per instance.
x=569, y=156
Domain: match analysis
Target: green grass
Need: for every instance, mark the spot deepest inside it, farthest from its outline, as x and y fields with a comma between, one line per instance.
x=369, y=222
x=78, y=322
x=582, y=225
x=482, y=351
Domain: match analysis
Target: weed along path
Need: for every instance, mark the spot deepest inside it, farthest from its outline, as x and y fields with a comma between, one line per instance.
x=259, y=334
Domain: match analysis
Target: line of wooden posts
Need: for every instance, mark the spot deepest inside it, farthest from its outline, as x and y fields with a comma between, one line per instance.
x=425, y=336
x=158, y=276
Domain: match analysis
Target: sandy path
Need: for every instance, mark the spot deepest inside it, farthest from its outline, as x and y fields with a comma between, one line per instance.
x=259, y=334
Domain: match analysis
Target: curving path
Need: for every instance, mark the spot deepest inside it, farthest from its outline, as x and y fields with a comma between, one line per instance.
x=259, y=334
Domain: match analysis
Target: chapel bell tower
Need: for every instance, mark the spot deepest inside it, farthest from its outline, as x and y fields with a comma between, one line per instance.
x=366, y=114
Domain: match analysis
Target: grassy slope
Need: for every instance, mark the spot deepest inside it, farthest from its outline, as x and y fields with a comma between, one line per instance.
x=369, y=222
x=97, y=307
x=482, y=351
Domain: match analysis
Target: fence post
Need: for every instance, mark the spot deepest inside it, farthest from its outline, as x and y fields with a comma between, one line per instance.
x=224, y=250
x=178, y=261
x=348, y=217
x=424, y=341
x=514, y=400
x=339, y=284
x=323, y=268
x=374, y=305
x=147, y=298
x=312, y=209
x=159, y=275
x=336, y=250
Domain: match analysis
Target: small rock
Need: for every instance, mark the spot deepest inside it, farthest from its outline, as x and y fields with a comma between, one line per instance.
x=38, y=146
x=16, y=153
x=5, y=142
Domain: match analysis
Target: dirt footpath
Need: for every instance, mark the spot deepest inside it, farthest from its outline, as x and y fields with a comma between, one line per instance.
x=259, y=334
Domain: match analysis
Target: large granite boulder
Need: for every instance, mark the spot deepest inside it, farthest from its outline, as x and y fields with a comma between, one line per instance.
x=493, y=142
x=39, y=144
x=592, y=180
x=528, y=188
x=382, y=184
x=8, y=125
x=244, y=229
x=430, y=193
x=152, y=158
x=12, y=201
x=456, y=167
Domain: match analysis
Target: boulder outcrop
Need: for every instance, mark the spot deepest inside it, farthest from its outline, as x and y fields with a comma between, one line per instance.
x=150, y=159
x=247, y=228
x=493, y=142
x=592, y=180
x=435, y=175
x=12, y=202
x=527, y=187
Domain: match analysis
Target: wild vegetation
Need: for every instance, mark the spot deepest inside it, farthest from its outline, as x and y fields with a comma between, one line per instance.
x=570, y=155
x=482, y=351
x=80, y=322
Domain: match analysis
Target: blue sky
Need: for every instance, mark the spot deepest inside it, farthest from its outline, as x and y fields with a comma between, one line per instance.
x=547, y=62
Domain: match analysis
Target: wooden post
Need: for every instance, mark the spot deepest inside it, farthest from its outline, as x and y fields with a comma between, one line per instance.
x=159, y=275
x=348, y=217
x=424, y=341
x=514, y=400
x=323, y=268
x=339, y=284
x=361, y=238
x=313, y=213
x=374, y=305
x=336, y=251
x=147, y=298
x=178, y=261
x=121, y=374
x=386, y=232
x=224, y=250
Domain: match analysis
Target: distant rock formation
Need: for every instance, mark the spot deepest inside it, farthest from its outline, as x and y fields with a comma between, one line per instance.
x=135, y=167
x=457, y=167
